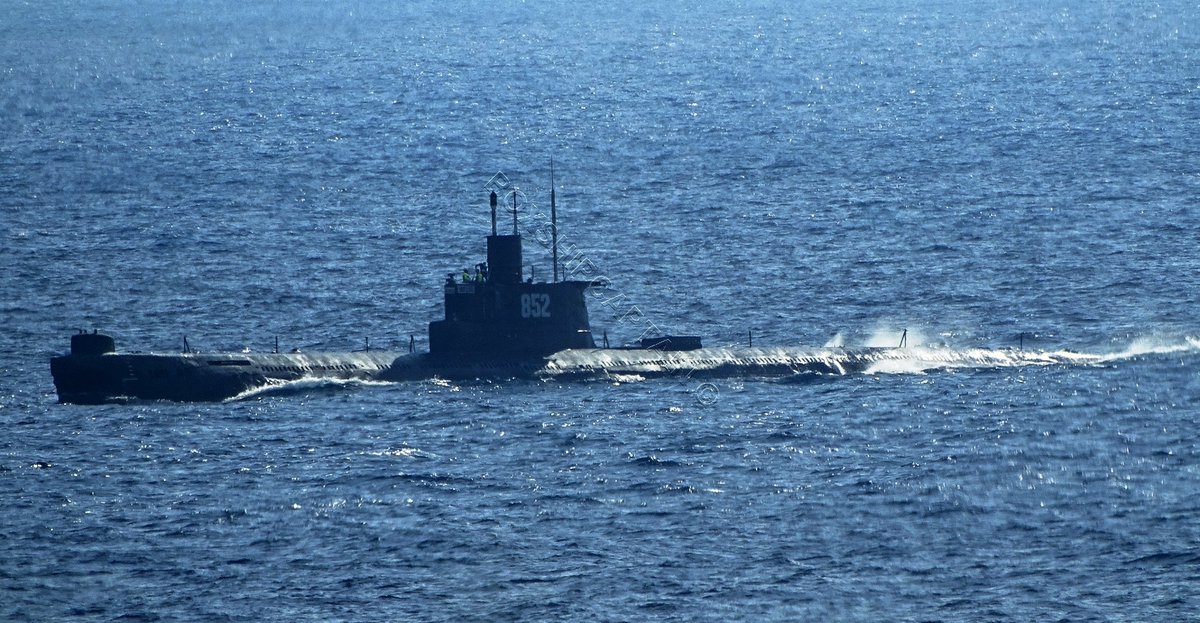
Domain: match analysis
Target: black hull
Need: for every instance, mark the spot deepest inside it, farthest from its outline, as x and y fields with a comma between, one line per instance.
x=112, y=377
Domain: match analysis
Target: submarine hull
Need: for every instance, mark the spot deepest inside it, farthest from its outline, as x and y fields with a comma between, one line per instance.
x=593, y=363
x=189, y=377
x=714, y=363
x=192, y=377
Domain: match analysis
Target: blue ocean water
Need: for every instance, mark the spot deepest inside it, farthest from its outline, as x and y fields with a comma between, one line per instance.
x=1016, y=174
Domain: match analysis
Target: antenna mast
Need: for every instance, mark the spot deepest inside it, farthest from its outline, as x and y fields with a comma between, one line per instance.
x=514, y=194
x=492, y=201
x=553, y=223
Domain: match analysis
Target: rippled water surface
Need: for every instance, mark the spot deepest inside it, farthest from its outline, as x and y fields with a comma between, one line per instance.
x=1018, y=175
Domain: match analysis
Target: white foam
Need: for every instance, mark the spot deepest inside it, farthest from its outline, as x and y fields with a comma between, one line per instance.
x=277, y=386
x=1156, y=345
x=920, y=360
x=899, y=366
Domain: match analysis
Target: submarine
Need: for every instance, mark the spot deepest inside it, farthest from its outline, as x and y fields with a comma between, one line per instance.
x=496, y=325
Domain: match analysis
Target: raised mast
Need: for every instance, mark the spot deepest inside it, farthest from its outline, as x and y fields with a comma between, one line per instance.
x=492, y=201
x=514, y=210
x=553, y=224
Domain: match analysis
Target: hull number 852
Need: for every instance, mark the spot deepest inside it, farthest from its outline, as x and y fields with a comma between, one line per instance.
x=535, y=305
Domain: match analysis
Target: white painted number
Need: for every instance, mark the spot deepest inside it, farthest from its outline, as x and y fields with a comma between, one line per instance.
x=535, y=305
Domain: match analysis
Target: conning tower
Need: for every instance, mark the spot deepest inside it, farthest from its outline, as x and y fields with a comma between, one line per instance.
x=492, y=312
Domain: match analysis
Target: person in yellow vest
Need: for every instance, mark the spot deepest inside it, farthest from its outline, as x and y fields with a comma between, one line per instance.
x=466, y=276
